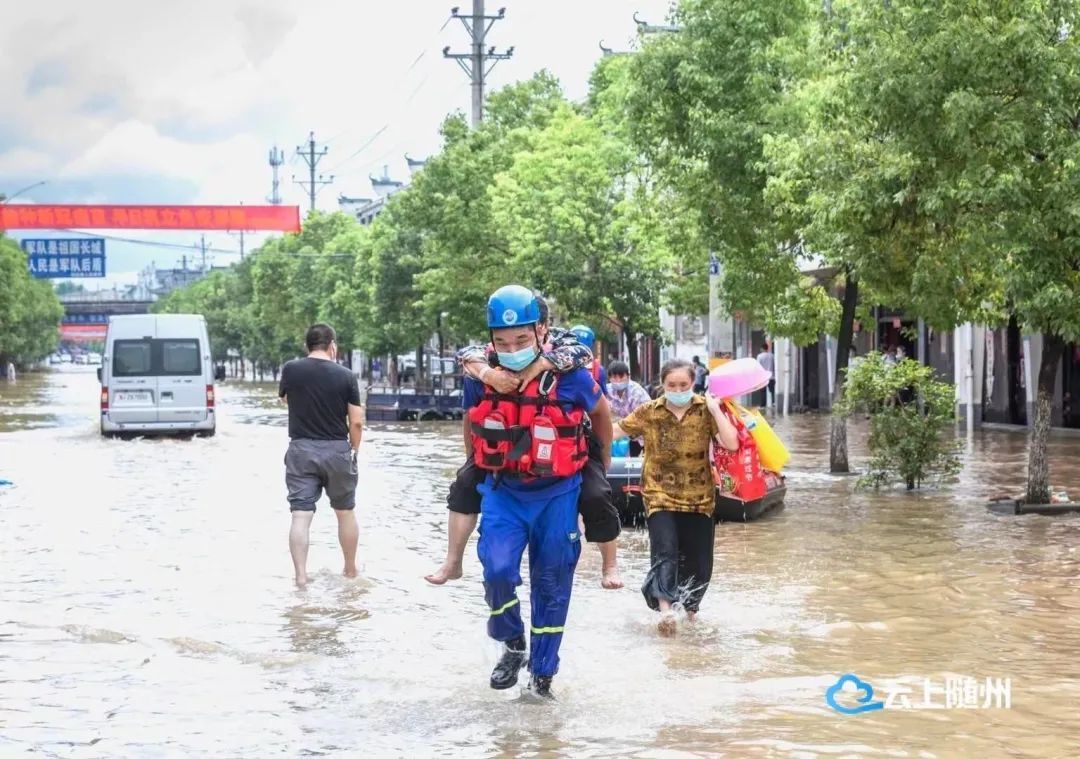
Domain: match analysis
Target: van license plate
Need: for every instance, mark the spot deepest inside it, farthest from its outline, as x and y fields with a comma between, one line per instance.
x=133, y=396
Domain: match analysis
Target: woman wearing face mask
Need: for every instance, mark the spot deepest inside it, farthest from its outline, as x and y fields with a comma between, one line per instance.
x=678, y=489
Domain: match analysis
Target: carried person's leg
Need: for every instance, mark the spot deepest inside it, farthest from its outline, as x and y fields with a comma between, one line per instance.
x=554, y=548
x=600, y=517
x=661, y=586
x=504, y=534
x=304, y=484
x=463, y=503
x=696, y=542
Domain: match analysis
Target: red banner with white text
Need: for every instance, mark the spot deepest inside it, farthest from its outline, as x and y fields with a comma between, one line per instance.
x=228, y=218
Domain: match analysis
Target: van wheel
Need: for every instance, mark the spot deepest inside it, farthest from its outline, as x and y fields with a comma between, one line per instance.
x=430, y=416
x=207, y=433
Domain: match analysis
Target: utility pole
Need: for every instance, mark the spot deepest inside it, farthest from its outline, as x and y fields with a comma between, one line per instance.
x=277, y=158
x=241, y=234
x=202, y=248
x=721, y=327
x=478, y=63
x=312, y=157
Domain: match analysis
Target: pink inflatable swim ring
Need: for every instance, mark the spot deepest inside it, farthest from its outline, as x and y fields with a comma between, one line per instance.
x=738, y=377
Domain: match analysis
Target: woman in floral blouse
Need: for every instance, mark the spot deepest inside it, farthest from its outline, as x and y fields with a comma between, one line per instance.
x=678, y=489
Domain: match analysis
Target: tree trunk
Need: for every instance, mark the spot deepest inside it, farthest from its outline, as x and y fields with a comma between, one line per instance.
x=632, y=350
x=1038, y=484
x=838, y=451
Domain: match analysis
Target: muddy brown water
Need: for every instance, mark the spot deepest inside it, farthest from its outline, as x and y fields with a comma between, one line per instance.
x=146, y=609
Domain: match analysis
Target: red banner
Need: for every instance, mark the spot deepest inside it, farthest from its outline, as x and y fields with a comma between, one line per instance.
x=230, y=218
x=83, y=332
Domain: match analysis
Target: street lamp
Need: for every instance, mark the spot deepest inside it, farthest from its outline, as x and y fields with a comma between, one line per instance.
x=5, y=200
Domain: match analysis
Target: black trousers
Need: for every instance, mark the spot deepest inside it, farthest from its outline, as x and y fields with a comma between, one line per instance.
x=681, y=550
x=597, y=509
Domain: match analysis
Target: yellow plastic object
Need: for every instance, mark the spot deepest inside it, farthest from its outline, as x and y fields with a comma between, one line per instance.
x=773, y=453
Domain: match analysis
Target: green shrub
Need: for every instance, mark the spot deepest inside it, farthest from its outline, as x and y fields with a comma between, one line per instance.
x=910, y=412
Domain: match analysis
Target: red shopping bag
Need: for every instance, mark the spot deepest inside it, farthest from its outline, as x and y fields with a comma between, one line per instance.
x=739, y=473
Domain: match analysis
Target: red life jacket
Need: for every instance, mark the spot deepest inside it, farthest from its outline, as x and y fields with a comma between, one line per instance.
x=738, y=473
x=528, y=433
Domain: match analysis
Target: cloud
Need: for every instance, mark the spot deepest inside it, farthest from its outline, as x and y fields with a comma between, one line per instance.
x=262, y=30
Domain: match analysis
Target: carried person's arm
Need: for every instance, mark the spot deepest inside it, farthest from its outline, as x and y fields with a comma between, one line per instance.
x=474, y=364
x=564, y=357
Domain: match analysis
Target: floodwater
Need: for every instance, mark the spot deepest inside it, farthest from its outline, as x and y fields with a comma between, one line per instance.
x=146, y=609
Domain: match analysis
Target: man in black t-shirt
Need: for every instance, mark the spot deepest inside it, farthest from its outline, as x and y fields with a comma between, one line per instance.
x=325, y=426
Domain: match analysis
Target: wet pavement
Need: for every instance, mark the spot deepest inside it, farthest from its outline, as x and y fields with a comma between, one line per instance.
x=146, y=609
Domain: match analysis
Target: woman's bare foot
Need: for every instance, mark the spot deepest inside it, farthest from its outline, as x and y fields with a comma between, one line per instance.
x=610, y=580
x=448, y=571
x=301, y=581
x=667, y=625
x=350, y=572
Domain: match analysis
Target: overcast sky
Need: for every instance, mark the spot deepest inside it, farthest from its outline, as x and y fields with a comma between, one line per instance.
x=150, y=101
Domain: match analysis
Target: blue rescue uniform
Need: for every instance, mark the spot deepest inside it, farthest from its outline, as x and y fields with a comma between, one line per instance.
x=541, y=515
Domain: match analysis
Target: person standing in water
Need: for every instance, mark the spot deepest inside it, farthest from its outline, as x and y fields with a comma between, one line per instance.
x=532, y=444
x=326, y=423
x=678, y=489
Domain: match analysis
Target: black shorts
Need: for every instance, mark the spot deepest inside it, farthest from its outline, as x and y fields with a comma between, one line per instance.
x=598, y=511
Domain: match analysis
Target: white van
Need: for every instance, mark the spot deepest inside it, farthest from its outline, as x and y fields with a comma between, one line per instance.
x=157, y=376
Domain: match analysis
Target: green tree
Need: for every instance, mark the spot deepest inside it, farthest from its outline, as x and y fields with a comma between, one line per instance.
x=579, y=225
x=448, y=209
x=30, y=312
x=945, y=161
x=705, y=105
x=910, y=416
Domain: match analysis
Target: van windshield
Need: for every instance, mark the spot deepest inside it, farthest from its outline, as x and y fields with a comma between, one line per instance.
x=156, y=358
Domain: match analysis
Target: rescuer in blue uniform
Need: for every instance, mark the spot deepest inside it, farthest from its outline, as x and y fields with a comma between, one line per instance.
x=533, y=445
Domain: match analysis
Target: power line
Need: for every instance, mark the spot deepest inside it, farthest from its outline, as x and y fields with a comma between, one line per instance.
x=362, y=148
x=401, y=80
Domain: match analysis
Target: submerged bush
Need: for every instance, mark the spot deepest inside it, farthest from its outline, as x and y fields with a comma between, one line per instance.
x=910, y=412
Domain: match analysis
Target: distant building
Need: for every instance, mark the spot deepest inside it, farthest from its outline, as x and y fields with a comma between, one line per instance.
x=364, y=210
x=167, y=280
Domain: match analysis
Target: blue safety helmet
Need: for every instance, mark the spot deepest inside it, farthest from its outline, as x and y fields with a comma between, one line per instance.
x=512, y=306
x=584, y=335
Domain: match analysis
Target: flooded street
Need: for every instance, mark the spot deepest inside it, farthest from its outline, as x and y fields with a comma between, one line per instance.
x=146, y=608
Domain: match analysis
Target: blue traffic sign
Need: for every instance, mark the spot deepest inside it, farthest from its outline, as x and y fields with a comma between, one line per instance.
x=63, y=259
